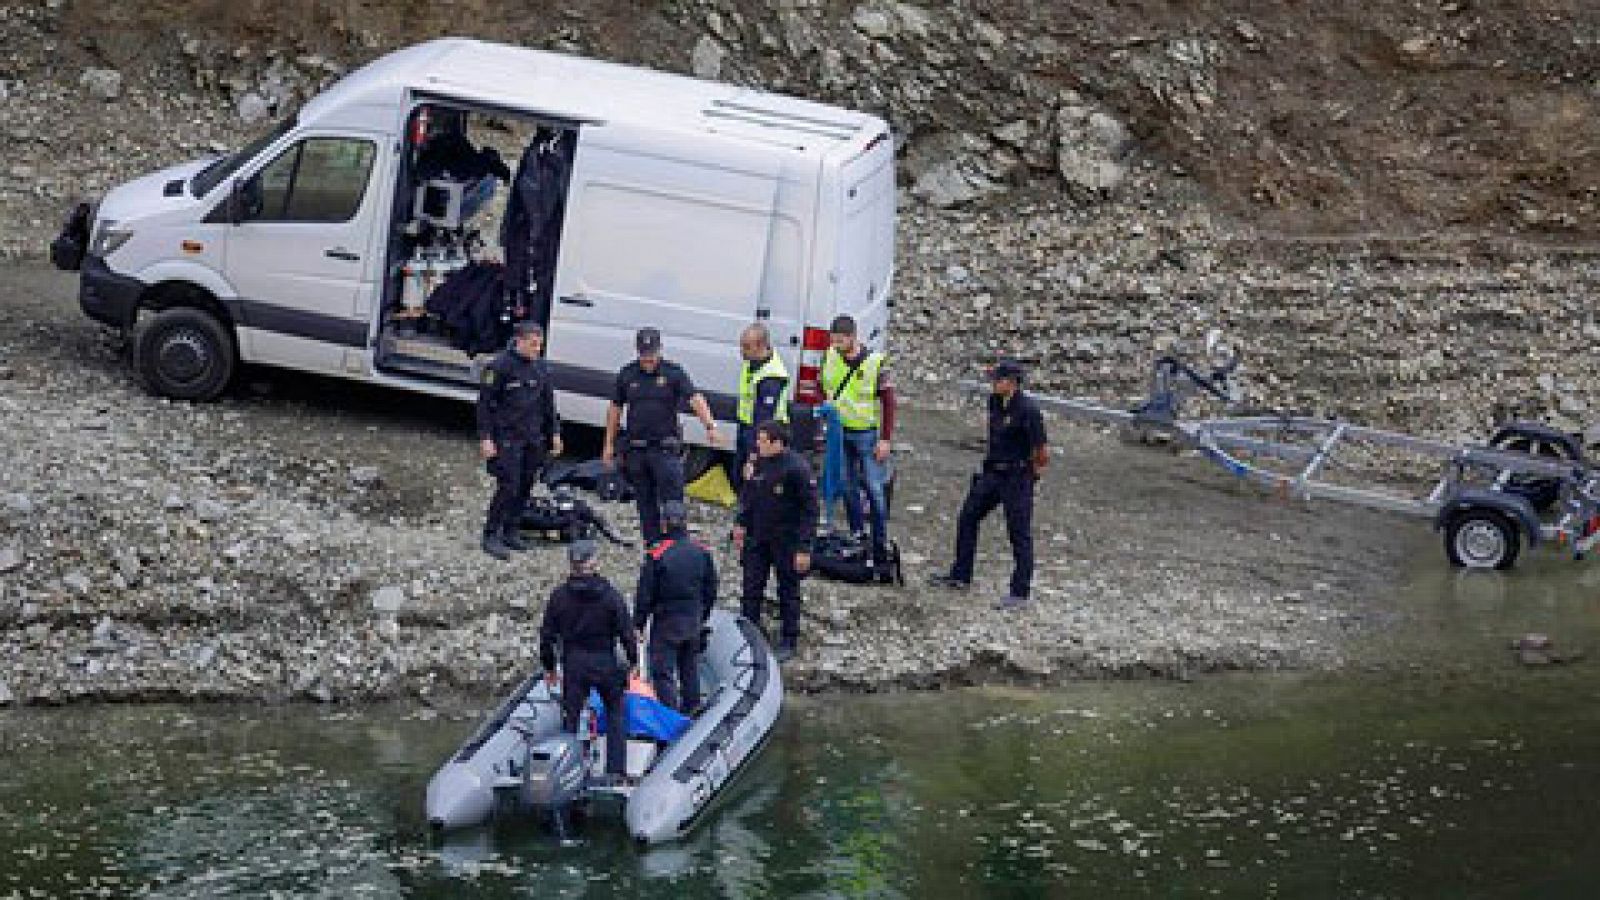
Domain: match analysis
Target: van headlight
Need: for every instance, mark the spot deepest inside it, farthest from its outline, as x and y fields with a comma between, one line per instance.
x=107, y=238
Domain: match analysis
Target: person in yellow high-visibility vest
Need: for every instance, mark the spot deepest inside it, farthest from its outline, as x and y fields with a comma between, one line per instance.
x=763, y=394
x=856, y=381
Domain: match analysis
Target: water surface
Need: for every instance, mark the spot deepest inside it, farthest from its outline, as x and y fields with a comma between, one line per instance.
x=1462, y=774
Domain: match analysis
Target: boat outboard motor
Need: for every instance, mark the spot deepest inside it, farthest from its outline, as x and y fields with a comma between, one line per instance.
x=554, y=777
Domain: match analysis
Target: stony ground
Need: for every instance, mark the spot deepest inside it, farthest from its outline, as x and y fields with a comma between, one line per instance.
x=305, y=538
x=1389, y=211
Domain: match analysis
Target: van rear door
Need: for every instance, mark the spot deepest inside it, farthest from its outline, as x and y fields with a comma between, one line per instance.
x=864, y=268
x=666, y=230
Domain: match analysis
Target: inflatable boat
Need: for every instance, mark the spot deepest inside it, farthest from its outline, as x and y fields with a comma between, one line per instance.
x=520, y=763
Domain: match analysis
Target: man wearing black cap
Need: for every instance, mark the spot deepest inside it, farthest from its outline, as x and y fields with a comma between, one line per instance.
x=1018, y=453
x=773, y=531
x=585, y=619
x=517, y=423
x=653, y=390
x=677, y=589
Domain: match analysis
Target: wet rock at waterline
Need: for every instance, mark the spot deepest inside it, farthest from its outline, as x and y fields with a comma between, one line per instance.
x=1535, y=650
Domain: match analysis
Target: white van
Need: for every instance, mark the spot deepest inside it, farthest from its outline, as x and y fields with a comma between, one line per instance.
x=341, y=243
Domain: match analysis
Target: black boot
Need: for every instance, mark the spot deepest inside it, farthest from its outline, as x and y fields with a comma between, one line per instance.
x=513, y=540
x=495, y=547
x=883, y=567
x=787, y=649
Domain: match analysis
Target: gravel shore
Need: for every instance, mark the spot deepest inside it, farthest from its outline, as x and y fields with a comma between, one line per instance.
x=305, y=538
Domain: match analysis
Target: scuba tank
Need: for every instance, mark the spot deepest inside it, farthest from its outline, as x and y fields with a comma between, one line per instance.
x=412, y=296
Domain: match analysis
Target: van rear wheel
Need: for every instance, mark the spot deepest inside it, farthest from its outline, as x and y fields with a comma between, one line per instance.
x=184, y=353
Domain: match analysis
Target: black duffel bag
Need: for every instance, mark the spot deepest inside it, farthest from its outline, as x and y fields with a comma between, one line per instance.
x=844, y=557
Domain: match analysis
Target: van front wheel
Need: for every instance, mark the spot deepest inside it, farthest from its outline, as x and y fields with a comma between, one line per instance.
x=183, y=353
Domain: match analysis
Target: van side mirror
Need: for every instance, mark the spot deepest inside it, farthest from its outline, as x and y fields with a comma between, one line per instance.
x=235, y=202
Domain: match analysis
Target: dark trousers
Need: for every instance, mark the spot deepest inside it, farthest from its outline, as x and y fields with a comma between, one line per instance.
x=1014, y=491
x=674, y=664
x=744, y=447
x=514, y=469
x=761, y=558
x=656, y=474
x=579, y=673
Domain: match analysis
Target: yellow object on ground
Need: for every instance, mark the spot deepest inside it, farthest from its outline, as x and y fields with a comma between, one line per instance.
x=713, y=487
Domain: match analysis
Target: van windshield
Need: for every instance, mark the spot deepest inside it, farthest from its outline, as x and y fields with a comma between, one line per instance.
x=224, y=166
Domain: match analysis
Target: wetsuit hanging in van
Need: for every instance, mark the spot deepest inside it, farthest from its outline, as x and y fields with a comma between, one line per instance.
x=531, y=230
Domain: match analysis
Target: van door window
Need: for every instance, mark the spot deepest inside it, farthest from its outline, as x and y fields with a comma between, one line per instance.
x=316, y=180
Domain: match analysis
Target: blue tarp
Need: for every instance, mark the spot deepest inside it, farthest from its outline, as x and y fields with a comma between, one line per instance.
x=647, y=717
x=832, y=483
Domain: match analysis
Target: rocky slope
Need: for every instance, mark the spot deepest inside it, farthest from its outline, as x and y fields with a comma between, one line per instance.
x=1354, y=194
x=1355, y=118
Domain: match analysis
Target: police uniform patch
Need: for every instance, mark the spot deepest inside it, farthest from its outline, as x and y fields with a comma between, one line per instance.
x=488, y=376
x=777, y=490
x=661, y=381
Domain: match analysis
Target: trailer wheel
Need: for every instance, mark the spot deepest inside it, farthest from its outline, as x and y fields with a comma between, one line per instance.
x=183, y=353
x=1482, y=539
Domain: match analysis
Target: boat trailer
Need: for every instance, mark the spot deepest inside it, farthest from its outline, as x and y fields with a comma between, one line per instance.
x=1529, y=484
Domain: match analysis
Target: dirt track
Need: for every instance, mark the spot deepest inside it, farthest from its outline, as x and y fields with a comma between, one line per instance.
x=227, y=551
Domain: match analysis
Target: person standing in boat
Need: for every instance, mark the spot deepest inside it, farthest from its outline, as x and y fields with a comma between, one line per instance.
x=584, y=621
x=677, y=589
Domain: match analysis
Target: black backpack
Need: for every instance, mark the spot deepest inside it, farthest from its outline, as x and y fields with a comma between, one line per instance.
x=844, y=557
x=564, y=517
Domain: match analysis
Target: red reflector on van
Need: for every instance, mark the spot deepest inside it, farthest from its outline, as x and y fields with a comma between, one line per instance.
x=808, y=382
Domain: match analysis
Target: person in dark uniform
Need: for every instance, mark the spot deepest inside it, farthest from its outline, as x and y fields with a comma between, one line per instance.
x=584, y=621
x=677, y=589
x=653, y=390
x=517, y=423
x=1018, y=453
x=776, y=522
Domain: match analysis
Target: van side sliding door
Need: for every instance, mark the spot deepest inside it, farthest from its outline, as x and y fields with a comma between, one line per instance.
x=667, y=230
